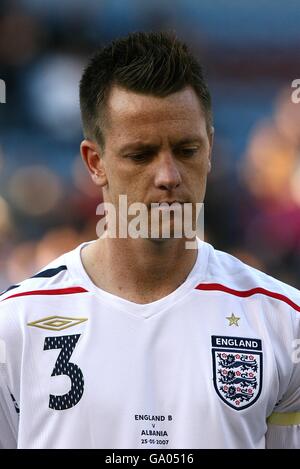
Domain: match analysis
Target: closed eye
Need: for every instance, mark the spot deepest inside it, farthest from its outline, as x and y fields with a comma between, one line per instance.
x=146, y=155
x=141, y=157
x=190, y=151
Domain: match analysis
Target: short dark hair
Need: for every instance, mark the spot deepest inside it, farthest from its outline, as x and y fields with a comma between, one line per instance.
x=157, y=64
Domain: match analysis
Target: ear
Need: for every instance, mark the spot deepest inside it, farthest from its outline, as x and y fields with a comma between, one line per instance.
x=92, y=156
x=211, y=134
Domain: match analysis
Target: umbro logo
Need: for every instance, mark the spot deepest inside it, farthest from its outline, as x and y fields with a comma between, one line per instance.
x=57, y=323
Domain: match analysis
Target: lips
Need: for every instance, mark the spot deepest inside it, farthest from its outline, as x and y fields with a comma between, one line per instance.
x=166, y=205
x=169, y=202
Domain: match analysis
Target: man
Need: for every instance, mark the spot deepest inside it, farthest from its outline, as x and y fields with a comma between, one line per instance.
x=140, y=342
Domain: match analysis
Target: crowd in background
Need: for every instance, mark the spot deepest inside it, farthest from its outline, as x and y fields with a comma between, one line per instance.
x=47, y=201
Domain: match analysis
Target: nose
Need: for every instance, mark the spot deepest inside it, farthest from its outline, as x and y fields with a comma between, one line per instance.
x=167, y=175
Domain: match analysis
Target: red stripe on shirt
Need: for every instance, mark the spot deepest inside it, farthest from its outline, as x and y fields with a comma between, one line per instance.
x=247, y=293
x=58, y=291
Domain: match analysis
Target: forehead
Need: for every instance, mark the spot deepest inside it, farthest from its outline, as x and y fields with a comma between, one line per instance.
x=134, y=112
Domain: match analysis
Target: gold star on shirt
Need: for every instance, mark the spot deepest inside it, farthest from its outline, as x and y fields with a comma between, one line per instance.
x=233, y=320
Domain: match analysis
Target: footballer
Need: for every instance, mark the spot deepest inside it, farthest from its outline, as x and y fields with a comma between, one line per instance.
x=139, y=342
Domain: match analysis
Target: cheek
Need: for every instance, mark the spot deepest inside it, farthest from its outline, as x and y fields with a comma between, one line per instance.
x=198, y=171
x=196, y=180
x=122, y=183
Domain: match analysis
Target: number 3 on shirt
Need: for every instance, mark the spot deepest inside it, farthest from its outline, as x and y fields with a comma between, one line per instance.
x=63, y=366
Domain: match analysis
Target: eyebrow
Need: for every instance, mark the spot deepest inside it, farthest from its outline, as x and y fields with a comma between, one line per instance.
x=142, y=146
x=189, y=140
x=138, y=146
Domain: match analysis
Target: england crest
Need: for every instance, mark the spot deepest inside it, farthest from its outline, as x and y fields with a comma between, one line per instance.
x=237, y=370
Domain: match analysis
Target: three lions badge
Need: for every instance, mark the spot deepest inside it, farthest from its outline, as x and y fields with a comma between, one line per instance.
x=237, y=370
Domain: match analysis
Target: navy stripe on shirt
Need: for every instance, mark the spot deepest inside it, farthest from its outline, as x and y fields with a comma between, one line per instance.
x=48, y=273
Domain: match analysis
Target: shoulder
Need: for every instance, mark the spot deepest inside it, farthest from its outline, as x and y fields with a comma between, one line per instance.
x=53, y=281
x=226, y=273
x=52, y=275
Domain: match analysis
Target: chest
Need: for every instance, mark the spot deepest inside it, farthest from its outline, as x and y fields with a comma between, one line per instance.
x=196, y=355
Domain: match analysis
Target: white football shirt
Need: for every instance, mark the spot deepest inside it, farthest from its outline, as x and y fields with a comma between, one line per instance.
x=214, y=364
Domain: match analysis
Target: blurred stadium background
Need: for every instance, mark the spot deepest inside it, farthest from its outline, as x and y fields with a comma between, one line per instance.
x=251, y=55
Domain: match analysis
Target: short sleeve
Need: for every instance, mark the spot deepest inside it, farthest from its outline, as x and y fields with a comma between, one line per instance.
x=284, y=423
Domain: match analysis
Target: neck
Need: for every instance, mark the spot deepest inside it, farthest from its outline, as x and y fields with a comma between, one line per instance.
x=139, y=270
